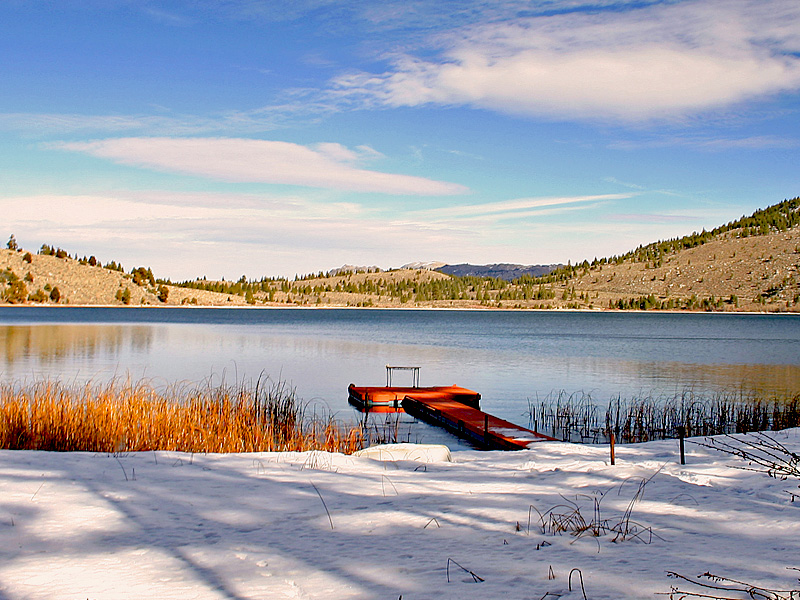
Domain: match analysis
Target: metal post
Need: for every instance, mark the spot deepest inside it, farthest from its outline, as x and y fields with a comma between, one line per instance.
x=681, y=434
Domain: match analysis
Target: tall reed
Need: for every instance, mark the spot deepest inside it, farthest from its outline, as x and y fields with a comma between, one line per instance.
x=577, y=417
x=121, y=417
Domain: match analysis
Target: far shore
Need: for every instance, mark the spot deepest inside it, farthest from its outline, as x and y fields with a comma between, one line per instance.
x=401, y=307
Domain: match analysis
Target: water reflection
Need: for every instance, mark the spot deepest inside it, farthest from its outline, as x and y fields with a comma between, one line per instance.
x=525, y=357
x=49, y=344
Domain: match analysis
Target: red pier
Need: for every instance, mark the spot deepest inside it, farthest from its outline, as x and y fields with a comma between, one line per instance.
x=454, y=408
x=474, y=425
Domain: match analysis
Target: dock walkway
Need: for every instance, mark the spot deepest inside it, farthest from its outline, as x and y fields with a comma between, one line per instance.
x=472, y=424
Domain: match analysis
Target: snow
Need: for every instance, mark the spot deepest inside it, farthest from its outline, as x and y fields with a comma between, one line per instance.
x=418, y=452
x=318, y=525
x=516, y=434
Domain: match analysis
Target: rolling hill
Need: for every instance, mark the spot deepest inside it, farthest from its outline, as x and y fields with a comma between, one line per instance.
x=750, y=264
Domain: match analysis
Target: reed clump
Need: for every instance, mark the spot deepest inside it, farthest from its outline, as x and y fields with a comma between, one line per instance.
x=130, y=417
x=577, y=417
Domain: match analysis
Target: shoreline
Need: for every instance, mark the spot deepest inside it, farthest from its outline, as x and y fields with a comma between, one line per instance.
x=401, y=308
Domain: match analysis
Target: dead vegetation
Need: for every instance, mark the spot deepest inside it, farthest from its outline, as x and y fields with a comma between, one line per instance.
x=129, y=417
x=584, y=516
x=715, y=587
x=763, y=453
x=578, y=418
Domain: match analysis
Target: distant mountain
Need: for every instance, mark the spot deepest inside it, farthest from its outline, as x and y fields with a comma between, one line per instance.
x=344, y=269
x=499, y=270
x=430, y=265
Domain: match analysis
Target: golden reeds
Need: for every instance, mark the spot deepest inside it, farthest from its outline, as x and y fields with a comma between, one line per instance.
x=126, y=417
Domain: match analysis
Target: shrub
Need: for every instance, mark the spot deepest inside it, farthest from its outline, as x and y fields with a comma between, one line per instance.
x=142, y=276
x=16, y=293
x=28, y=258
x=12, y=243
x=55, y=294
x=38, y=296
x=163, y=293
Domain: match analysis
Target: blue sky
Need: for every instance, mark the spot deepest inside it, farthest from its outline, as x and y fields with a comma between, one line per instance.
x=233, y=137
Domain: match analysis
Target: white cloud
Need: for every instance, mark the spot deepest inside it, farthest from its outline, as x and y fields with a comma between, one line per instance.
x=661, y=61
x=329, y=165
x=183, y=235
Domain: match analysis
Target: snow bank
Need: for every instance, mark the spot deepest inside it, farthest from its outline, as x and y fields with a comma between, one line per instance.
x=318, y=525
x=419, y=452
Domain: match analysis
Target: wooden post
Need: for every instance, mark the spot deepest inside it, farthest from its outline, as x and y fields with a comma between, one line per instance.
x=613, y=441
x=681, y=435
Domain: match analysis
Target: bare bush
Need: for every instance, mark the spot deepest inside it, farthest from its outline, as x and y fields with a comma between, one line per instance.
x=763, y=453
x=715, y=587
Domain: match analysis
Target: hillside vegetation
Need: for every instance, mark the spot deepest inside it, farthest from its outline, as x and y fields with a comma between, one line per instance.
x=749, y=264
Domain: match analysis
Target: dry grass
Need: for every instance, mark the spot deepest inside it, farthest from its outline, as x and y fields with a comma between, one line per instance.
x=122, y=417
x=571, y=517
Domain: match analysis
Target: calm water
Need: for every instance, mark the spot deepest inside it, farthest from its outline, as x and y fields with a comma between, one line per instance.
x=509, y=357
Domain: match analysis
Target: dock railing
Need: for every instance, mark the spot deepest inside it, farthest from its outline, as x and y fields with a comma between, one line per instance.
x=414, y=374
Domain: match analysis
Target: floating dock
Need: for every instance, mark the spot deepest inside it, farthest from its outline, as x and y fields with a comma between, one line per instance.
x=474, y=425
x=378, y=399
x=454, y=408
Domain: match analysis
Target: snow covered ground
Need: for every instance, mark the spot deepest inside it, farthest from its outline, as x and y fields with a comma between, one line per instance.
x=316, y=525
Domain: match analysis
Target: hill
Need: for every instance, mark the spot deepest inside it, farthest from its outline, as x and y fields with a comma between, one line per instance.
x=749, y=264
x=27, y=278
x=505, y=271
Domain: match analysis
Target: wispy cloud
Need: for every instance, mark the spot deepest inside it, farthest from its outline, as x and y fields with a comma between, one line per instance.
x=267, y=118
x=712, y=144
x=516, y=208
x=661, y=61
x=327, y=165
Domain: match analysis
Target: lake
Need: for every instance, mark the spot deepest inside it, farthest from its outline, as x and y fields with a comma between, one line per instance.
x=510, y=357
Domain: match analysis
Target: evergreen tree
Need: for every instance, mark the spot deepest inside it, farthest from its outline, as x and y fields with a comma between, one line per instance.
x=16, y=293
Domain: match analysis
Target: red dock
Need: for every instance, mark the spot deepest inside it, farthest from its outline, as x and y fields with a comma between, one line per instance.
x=474, y=425
x=455, y=408
x=374, y=398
